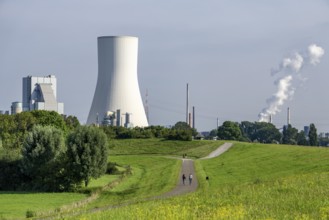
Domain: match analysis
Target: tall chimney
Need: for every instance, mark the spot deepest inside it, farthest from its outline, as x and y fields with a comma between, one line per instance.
x=270, y=119
x=193, y=119
x=189, y=119
x=187, y=112
x=288, y=116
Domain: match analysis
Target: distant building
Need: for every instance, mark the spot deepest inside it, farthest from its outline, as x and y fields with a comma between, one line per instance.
x=39, y=93
x=117, y=84
x=2, y=112
x=16, y=107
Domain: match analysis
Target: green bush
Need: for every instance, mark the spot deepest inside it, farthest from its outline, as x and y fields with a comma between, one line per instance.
x=30, y=214
x=112, y=168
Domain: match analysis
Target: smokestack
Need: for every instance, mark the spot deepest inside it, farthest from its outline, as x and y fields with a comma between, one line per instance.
x=193, y=121
x=187, y=112
x=217, y=123
x=189, y=119
x=288, y=116
x=270, y=119
x=118, y=117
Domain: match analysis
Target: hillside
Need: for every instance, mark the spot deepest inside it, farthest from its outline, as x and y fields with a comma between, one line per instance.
x=249, y=181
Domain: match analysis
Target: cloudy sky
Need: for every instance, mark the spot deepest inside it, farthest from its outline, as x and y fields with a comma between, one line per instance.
x=224, y=49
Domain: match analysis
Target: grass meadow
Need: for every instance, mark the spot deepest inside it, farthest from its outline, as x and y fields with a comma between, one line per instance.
x=14, y=205
x=249, y=181
x=193, y=149
x=151, y=175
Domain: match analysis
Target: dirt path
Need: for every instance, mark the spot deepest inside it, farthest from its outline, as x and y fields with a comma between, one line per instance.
x=218, y=151
x=187, y=169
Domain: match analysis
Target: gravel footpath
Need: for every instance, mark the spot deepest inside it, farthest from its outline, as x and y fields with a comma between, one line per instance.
x=219, y=151
x=187, y=169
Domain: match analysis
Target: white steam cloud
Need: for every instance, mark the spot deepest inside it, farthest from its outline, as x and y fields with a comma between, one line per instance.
x=290, y=69
x=315, y=53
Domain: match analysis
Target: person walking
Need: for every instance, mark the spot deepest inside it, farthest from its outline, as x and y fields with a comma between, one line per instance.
x=183, y=177
x=190, y=177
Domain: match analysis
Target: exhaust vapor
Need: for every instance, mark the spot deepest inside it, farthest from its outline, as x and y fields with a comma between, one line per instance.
x=289, y=70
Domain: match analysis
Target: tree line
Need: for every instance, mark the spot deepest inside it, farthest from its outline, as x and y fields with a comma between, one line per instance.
x=180, y=131
x=264, y=132
x=45, y=151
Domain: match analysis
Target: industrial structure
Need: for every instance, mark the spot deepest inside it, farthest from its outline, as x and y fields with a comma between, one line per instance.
x=190, y=118
x=117, y=91
x=16, y=107
x=39, y=93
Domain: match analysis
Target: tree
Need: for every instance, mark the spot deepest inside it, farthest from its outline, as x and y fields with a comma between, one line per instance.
x=313, y=136
x=289, y=135
x=229, y=131
x=49, y=118
x=86, y=154
x=42, y=155
x=181, y=131
x=212, y=134
x=10, y=175
x=71, y=122
x=248, y=130
x=301, y=138
x=267, y=133
x=181, y=135
x=181, y=126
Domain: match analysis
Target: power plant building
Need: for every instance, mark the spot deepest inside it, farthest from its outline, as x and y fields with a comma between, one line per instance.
x=39, y=93
x=16, y=107
x=117, y=99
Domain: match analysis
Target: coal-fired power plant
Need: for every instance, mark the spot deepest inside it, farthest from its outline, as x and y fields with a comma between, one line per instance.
x=117, y=91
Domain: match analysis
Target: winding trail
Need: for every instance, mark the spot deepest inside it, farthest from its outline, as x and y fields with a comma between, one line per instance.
x=218, y=151
x=187, y=168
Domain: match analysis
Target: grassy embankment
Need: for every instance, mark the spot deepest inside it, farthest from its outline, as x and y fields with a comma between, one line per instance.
x=250, y=181
x=152, y=175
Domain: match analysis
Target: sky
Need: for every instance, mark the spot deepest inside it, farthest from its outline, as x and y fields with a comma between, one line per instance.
x=224, y=49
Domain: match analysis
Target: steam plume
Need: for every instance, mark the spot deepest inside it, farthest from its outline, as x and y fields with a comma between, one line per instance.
x=289, y=69
x=315, y=54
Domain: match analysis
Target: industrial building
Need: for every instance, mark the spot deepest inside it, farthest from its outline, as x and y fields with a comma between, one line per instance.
x=16, y=107
x=117, y=91
x=39, y=93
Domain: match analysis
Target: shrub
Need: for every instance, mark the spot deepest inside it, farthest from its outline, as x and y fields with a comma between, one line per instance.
x=112, y=168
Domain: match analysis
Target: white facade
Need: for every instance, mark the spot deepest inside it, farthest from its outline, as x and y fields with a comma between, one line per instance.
x=117, y=84
x=39, y=93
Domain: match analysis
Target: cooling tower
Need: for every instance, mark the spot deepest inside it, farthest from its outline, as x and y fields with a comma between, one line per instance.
x=117, y=83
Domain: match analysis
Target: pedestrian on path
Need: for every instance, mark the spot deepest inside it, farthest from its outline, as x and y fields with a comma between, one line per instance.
x=190, y=178
x=183, y=177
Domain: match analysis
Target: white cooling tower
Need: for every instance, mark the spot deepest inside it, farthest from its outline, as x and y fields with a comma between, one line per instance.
x=117, y=84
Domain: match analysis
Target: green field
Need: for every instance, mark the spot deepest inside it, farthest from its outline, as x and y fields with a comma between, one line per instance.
x=249, y=181
x=152, y=175
x=193, y=149
x=15, y=204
